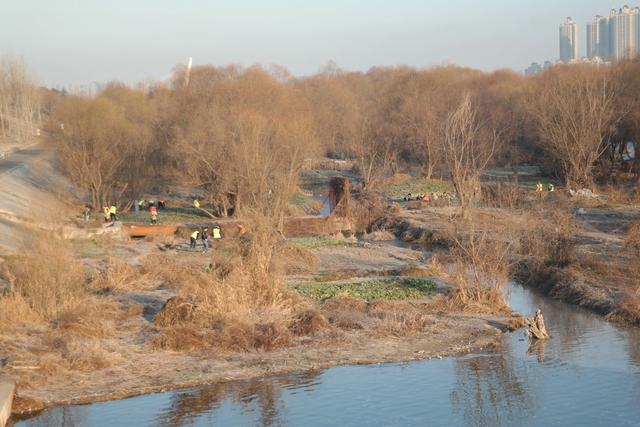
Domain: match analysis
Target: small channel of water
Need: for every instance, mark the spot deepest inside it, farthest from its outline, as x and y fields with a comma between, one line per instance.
x=588, y=374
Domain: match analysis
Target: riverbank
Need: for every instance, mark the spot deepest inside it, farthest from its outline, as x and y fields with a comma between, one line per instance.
x=495, y=388
x=161, y=371
x=585, y=256
x=113, y=346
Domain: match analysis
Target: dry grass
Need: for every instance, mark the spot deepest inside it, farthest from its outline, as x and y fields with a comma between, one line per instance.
x=118, y=275
x=46, y=282
x=308, y=322
x=632, y=240
x=480, y=270
x=15, y=312
x=366, y=209
x=547, y=240
x=246, y=308
x=378, y=318
x=57, y=323
x=505, y=195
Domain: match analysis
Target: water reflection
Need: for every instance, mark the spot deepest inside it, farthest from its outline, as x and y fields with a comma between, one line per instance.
x=489, y=391
x=536, y=348
x=261, y=397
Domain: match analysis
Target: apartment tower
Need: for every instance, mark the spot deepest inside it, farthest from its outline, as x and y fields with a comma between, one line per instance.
x=568, y=40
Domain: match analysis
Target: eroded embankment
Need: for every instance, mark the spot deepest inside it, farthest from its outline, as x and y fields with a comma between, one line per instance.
x=595, y=273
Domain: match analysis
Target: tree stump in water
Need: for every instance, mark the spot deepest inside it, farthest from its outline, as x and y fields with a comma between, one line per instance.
x=536, y=326
x=339, y=195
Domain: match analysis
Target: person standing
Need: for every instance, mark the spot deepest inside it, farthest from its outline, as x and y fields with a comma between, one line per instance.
x=193, y=239
x=106, y=212
x=216, y=232
x=113, y=213
x=154, y=215
x=205, y=240
x=86, y=214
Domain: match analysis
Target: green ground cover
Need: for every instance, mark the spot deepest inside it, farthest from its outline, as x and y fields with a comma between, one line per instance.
x=369, y=290
x=165, y=216
x=320, y=242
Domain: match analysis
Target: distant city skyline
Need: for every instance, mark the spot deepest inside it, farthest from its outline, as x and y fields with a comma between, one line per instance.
x=614, y=36
x=73, y=42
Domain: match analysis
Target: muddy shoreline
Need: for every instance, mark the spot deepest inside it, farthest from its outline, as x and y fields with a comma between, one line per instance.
x=464, y=335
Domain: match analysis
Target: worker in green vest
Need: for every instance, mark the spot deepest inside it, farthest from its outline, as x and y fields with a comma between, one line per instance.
x=194, y=239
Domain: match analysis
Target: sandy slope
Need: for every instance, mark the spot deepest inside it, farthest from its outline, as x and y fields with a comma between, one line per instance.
x=30, y=188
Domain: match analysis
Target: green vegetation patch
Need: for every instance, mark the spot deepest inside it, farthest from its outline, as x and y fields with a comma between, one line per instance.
x=320, y=242
x=417, y=185
x=165, y=216
x=369, y=290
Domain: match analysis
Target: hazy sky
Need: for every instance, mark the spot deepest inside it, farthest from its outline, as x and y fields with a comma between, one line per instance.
x=79, y=41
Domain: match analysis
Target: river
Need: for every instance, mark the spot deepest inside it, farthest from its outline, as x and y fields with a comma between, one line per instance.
x=588, y=374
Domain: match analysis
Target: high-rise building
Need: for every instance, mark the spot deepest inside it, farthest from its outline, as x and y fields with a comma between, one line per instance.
x=594, y=37
x=568, y=40
x=616, y=36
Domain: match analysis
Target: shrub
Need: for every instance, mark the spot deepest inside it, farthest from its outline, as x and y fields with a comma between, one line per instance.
x=49, y=278
x=480, y=270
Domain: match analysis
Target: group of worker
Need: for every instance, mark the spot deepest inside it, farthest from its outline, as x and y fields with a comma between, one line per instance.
x=419, y=197
x=152, y=206
x=204, y=235
x=110, y=213
x=540, y=188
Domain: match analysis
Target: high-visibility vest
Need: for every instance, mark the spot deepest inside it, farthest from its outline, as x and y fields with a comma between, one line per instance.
x=216, y=233
x=195, y=234
x=105, y=210
x=113, y=209
x=551, y=188
x=196, y=204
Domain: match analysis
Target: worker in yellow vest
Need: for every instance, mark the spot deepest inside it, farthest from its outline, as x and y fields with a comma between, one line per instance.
x=113, y=213
x=551, y=188
x=196, y=204
x=194, y=239
x=107, y=215
x=215, y=232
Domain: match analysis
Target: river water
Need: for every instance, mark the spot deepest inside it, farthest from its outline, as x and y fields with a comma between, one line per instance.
x=588, y=374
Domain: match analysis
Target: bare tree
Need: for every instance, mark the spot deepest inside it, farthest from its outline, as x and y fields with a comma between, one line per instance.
x=468, y=148
x=19, y=101
x=244, y=142
x=576, y=113
x=98, y=146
